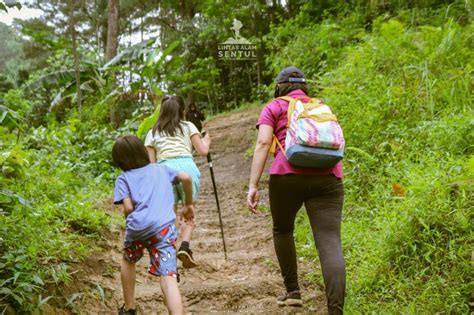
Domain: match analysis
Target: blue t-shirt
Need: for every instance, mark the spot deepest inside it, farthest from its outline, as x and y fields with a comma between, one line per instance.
x=150, y=188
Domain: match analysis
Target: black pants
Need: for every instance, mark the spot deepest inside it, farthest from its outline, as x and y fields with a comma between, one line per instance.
x=323, y=197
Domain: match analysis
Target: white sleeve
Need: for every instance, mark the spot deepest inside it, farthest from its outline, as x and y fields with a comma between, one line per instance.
x=192, y=129
x=149, y=139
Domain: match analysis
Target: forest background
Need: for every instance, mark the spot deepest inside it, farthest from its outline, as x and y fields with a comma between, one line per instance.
x=399, y=75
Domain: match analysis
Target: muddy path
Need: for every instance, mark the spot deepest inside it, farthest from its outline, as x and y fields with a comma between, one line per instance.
x=248, y=282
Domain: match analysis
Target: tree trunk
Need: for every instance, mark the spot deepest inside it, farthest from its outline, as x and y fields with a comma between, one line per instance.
x=72, y=29
x=112, y=29
x=111, y=50
x=190, y=99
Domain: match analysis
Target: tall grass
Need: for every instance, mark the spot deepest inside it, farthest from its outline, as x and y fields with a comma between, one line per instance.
x=404, y=97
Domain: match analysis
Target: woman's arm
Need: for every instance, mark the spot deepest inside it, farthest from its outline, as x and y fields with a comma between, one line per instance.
x=151, y=154
x=264, y=142
x=201, y=144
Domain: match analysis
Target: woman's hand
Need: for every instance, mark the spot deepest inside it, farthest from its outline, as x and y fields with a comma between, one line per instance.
x=264, y=142
x=253, y=197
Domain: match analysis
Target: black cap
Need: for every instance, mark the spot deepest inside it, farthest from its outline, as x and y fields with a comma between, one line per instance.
x=284, y=76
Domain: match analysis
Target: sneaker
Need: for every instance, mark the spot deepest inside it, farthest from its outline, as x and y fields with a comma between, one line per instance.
x=186, y=257
x=122, y=311
x=290, y=299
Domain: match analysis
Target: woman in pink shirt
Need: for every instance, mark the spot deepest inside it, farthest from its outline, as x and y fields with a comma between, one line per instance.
x=321, y=192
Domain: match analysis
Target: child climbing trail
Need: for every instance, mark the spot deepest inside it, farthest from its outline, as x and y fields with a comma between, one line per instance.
x=245, y=283
x=397, y=75
x=170, y=143
x=145, y=190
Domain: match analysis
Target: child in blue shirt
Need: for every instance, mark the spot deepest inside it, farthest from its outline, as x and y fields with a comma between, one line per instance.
x=145, y=190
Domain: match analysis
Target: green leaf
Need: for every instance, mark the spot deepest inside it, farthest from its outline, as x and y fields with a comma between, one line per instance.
x=13, y=195
x=9, y=118
x=38, y=280
x=72, y=298
x=168, y=51
x=15, y=277
x=148, y=123
x=152, y=55
x=12, y=3
x=17, y=298
x=101, y=293
x=362, y=153
x=130, y=54
x=42, y=301
x=56, y=78
x=5, y=291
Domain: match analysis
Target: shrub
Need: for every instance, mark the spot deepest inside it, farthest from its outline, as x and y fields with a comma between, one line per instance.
x=403, y=96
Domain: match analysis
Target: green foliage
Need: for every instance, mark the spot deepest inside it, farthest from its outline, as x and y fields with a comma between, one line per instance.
x=5, y=5
x=404, y=97
x=397, y=73
x=51, y=182
x=148, y=123
x=9, y=118
x=151, y=72
x=65, y=82
x=315, y=48
x=12, y=65
x=14, y=100
x=13, y=162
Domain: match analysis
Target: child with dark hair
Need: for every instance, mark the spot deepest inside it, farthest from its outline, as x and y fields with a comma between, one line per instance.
x=145, y=190
x=170, y=142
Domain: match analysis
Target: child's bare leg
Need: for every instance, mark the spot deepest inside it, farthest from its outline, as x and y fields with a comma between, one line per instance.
x=186, y=230
x=169, y=287
x=128, y=283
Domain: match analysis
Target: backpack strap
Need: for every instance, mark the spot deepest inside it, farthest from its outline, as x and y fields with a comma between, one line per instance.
x=291, y=108
x=314, y=103
x=274, y=144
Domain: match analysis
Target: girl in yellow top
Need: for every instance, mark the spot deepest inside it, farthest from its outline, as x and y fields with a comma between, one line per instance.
x=170, y=143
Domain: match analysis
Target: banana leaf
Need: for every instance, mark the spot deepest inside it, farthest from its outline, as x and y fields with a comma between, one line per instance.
x=148, y=123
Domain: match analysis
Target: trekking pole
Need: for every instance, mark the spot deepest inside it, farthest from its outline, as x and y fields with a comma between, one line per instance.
x=209, y=160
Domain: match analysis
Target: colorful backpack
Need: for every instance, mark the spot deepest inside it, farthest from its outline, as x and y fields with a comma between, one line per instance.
x=314, y=137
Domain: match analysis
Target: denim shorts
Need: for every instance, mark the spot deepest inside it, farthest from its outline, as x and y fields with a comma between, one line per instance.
x=162, y=249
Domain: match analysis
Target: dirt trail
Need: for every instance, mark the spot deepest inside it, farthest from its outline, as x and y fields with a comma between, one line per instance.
x=248, y=281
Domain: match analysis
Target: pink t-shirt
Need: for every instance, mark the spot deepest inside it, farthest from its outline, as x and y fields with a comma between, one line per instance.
x=275, y=114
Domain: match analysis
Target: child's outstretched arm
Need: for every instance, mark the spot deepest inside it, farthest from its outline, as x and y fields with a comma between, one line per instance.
x=127, y=206
x=201, y=144
x=188, y=208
